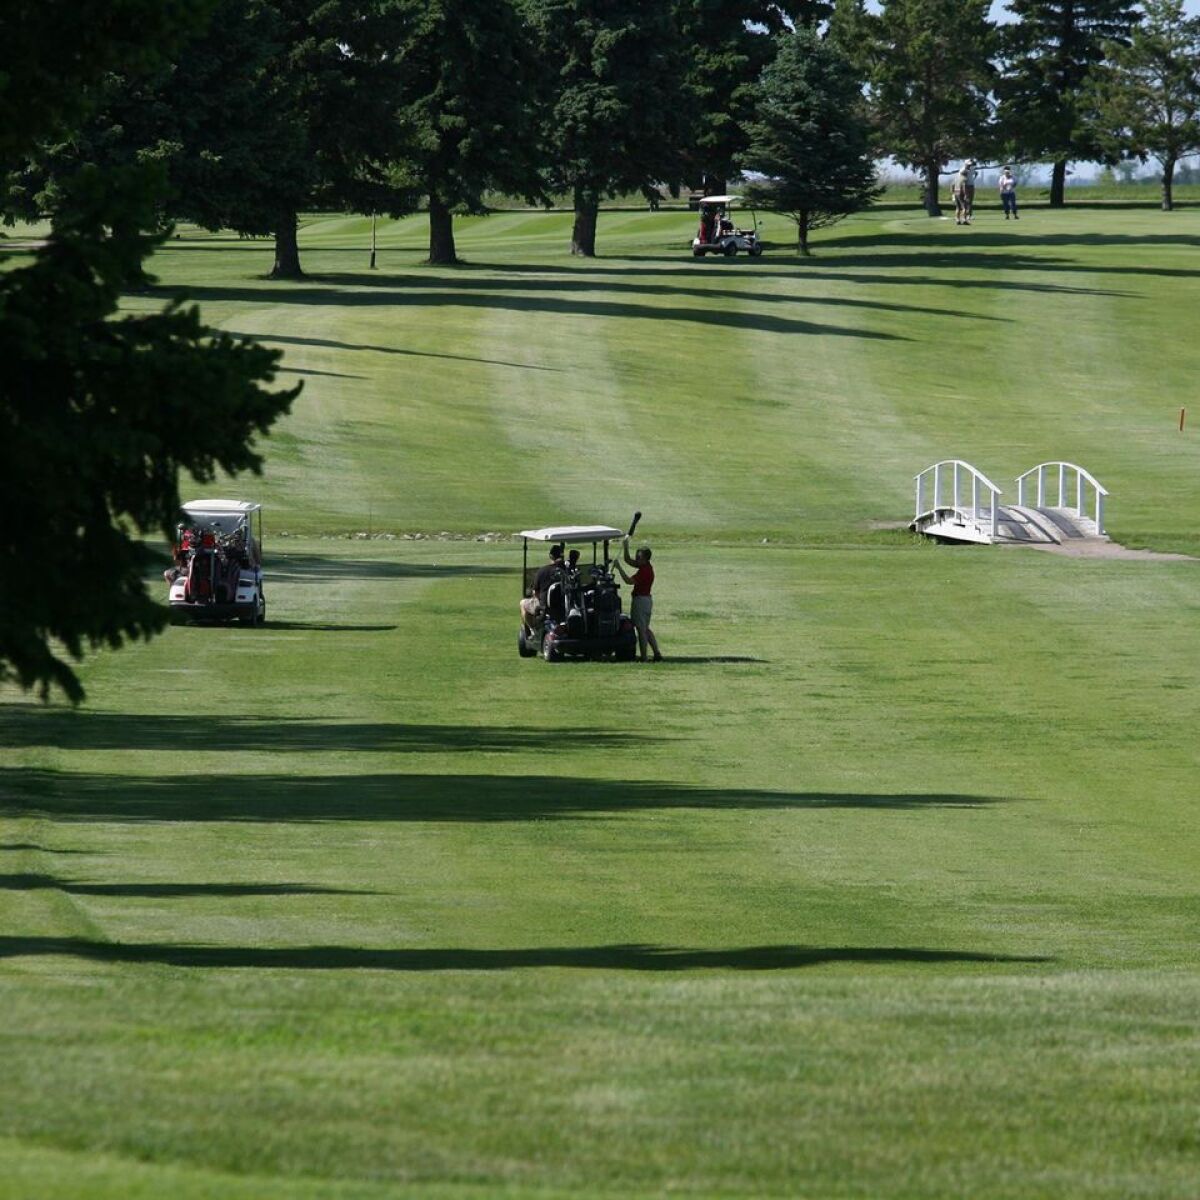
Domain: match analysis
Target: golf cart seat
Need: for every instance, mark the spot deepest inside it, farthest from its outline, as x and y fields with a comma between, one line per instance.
x=555, y=602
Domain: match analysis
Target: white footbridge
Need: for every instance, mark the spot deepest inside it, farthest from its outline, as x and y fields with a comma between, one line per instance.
x=1057, y=503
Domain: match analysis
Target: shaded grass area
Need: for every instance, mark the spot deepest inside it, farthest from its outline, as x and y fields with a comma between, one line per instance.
x=406, y=797
x=606, y=958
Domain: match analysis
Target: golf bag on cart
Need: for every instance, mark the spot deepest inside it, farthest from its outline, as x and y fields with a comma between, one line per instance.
x=602, y=604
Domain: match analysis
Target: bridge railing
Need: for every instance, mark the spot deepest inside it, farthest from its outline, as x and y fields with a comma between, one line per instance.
x=1054, y=480
x=945, y=484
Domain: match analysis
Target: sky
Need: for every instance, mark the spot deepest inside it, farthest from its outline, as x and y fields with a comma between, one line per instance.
x=1191, y=7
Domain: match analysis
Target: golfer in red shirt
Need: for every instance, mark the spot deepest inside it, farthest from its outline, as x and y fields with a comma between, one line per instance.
x=642, y=605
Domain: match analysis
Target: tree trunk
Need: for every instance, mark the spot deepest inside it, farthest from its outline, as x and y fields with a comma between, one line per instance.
x=932, y=207
x=802, y=232
x=714, y=185
x=1058, y=184
x=1168, y=183
x=287, y=251
x=583, y=234
x=441, y=233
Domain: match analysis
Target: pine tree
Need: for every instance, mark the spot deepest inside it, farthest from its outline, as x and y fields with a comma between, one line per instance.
x=930, y=78
x=465, y=108
x=614, y=118
x=272, y=106
x=1049, y=53
x=278, y=107
x=728, y=42
x=98, y=412
x=809, y=137
x=1145, y=100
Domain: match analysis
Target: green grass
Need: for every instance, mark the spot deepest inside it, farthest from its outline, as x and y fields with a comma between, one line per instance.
x=882, y=886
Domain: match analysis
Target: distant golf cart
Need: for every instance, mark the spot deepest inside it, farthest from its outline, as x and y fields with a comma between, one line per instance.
x=217, y=573
x=719, y=235
x=582, y=617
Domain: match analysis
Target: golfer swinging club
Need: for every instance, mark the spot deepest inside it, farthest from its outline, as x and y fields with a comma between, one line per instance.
x=963, y=190
x=641, y=605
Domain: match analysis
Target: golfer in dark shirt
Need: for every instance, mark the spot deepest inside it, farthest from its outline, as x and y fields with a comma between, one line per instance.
x=535, y=604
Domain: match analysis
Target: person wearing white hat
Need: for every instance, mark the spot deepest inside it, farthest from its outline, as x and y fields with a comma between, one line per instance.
x=1008, y=193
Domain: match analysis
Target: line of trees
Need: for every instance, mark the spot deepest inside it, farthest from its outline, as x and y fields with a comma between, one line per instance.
x=274, y=106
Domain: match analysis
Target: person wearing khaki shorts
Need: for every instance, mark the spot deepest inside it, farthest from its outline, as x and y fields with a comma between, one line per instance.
x=641, y=606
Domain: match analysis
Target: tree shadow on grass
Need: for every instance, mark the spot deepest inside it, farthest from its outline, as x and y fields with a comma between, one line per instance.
x=335, y=345
x=987, y=281
x=631, y=284
x=319, y=627
x=29, y=792
x=28, y=725
x=32, y=883
x=952, y=263
x=316, y=568
x=1028, y=237
x=308, y=371
x=16, y=846
x=702, y=313
x=992, y=264
x=632, y=957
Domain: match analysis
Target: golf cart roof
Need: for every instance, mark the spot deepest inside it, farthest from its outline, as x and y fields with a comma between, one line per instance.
x=718, y=199
x=204, y=508
x=572, y=533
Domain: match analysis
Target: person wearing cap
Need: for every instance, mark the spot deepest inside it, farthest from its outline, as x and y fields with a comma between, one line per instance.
x=641, y=605
x=1008, y=193
x=964, y=193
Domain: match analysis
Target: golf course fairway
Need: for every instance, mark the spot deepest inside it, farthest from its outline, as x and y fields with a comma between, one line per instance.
x=882, y=885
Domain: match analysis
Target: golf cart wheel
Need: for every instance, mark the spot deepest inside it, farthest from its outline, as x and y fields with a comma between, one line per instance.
x=524, y=649
x=756, y=252
x=698, y=253
x=549, y=650
x=259, y=613
x=730, y=249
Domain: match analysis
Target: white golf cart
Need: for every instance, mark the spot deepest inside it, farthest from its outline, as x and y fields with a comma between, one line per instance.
x=581, y=616
x=719, y=235
x=217, y=572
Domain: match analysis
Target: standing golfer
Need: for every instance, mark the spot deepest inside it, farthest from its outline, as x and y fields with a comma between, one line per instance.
x=1008, y=193
x=963, y=191
x=642, y=605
